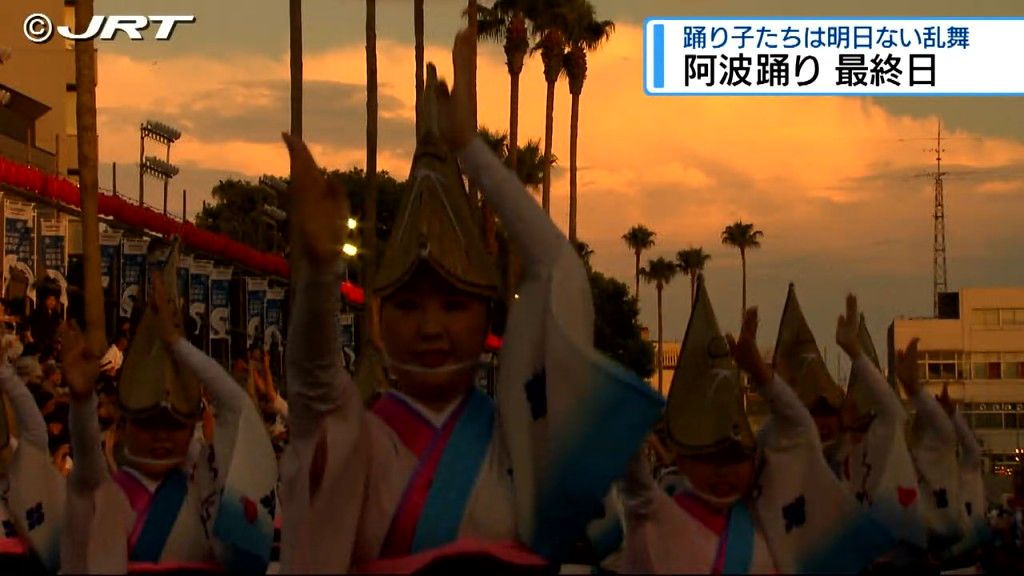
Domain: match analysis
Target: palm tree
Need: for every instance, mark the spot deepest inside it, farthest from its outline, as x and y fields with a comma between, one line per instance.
x=639, y=238
x=659, y=272
x=417, y=19
x=586, y=33
x=531, y=165
x=551, y=20
x=366, y=370
x=504, y=21
x=295, y=38
x=691, y=263
x=88, y=179
x=744, y=237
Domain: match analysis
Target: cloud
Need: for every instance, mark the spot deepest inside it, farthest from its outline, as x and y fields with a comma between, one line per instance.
x=832, y=182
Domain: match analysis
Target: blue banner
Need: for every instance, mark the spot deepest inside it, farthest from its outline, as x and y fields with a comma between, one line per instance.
x=109, y=244
x=220, y=304
x=274, y=318
x=255, y=305
x=19, y=247
x=183, y=277
x=199, y=301
x=53, y=238
x=133, y=269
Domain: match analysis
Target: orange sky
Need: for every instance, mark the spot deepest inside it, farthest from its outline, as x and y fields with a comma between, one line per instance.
x=831, y=181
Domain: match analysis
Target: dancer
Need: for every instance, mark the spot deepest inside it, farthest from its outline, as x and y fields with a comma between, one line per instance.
x=163, y=511
x=436, y=471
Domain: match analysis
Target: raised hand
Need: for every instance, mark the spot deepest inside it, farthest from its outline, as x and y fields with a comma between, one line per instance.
x=456, y=109
x=81, y=367
x=945, y=401
x=318, y=209
x=166, y=309
x=745, y=352
x=907, y=368
x=848, y=329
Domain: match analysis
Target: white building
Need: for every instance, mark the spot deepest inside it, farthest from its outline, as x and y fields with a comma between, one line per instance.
x=977, y=347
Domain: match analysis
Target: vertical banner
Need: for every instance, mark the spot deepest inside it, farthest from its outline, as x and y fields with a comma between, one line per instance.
x=19, y=250
x=109, y=243
x=255, y=303
x=133, y=269
x=347, y=325
x=53, y=236
x=274, y=318
x=183, y=277
x=220, y=303
x=198, y=302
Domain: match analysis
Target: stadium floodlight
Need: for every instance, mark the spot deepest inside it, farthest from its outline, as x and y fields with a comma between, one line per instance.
x=349, y=250
x=159, y=167
x=162, y=131
x=352, y=223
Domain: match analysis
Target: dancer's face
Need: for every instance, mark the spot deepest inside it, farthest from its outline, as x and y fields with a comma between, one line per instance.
x=429, y=324
x=722, y=476
x=162, y=437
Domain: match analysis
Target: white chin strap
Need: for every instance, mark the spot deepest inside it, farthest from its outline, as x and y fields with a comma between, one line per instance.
x=446, y=369
x=151, y=461
x=714, y=500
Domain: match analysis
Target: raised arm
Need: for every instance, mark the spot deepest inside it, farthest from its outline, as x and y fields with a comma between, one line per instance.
x=863, y=370
x=788, y=413
x=30, y=420
x=526, y=222
x=81, y=369
x=933, y=418
x=318, y=381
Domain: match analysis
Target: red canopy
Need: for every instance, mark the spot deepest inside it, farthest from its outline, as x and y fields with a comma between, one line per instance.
x=135, y=216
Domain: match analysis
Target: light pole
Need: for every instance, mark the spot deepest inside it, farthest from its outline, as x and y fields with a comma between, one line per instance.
x=163, y=169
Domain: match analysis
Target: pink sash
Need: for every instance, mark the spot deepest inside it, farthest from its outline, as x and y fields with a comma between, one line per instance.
x=139, y=497
x=427, y=443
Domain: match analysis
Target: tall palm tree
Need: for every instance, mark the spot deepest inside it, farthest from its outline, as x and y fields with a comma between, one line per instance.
x=505, y=21
x=659, y=272
x=586, y=33
x=551, y=20
x=691, y=263
x=744, y=237
x=639, y=238
x=295, y=49
x=367, y=370
x=417, y=19
x=88, y=179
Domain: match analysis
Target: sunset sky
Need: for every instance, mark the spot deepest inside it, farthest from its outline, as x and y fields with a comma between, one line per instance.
x=836, y=184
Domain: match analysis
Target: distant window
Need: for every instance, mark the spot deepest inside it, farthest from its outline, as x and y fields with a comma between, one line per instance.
x=991, y=420
x=986, y=317
x=1012, y=317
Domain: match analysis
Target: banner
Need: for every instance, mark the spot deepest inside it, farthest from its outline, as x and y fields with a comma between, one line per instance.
x=274, y=318
x=133, y=268
x=19, y=250
x=109, y=243
x=255, y=304
x=197, y=322
x=184, y=275
x=220, y=304
x=347, y=325
x=53, y=237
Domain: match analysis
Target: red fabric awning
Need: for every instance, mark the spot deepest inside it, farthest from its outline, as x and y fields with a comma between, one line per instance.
x=132, y=215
